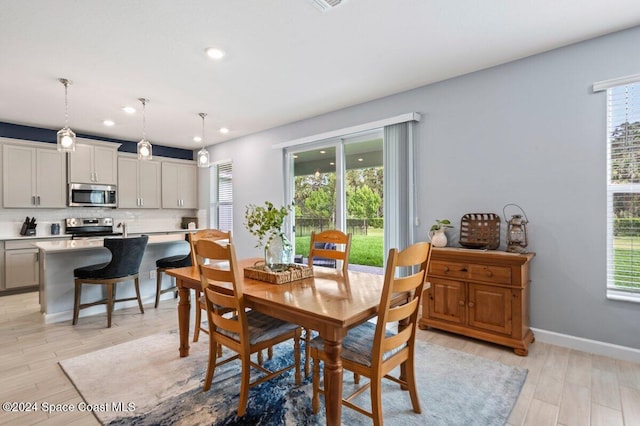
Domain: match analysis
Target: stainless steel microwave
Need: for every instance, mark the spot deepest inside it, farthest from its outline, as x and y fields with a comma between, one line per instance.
x=90, y=195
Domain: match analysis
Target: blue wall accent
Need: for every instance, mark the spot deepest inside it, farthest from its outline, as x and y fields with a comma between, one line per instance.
x=17, y=131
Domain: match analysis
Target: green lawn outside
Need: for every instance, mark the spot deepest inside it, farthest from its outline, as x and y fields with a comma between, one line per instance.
x=365, y=249
x=627, y=261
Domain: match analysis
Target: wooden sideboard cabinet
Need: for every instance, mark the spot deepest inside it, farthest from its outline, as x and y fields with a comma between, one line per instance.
x=480, y=294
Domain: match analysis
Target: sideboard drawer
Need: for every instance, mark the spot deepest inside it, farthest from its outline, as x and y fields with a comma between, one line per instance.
x=494, y=274
x=449, y=269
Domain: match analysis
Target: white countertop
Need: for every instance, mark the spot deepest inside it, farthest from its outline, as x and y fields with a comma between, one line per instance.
x=68, y=236
x=93, y=243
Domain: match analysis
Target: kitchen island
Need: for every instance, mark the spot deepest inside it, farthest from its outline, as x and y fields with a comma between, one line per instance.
x=59, y=258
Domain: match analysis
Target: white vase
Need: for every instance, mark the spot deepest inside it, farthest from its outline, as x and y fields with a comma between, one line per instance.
x=438, y=238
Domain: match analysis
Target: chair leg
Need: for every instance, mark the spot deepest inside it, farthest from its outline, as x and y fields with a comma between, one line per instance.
x=110, y=291
x=158, y=285
x=136, y=281
x=244, y=383
x=411, y=383
x=296, y=356
x=376, y=401
x=307, y=350
x=76, y=301
x=114, y=297
x=315, y=401
x=213, y=352
x=198, y=324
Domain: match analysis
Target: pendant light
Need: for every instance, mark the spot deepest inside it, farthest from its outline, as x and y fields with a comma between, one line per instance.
x=144, y=146
x=66, y=136
x=203, y=154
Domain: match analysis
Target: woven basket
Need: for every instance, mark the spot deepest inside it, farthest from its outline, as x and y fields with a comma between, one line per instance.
x=294, y=273
x=480, y=231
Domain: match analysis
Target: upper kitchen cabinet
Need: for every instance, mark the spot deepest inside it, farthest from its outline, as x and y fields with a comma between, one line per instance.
x=95, y=162
x=33, y=177
x=138, y=183
x=179, y=186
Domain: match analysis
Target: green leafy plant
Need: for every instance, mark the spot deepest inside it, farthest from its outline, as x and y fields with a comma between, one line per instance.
x=441, y=223
x=266, y=221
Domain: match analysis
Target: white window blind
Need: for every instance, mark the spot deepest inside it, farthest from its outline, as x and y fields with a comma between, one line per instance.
x=623, y=192
x=223, y=204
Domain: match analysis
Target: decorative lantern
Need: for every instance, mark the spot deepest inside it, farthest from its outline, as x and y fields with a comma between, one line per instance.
x=516, y=230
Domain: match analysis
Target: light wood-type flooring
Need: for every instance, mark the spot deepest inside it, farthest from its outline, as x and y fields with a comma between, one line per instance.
x=563, y=387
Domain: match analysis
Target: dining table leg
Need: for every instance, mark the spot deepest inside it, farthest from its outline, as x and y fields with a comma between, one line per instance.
x=333, y=381
x=184, y=311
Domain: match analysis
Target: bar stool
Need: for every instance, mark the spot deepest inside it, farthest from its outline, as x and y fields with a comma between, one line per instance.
x=126, y=257
x=171, y=262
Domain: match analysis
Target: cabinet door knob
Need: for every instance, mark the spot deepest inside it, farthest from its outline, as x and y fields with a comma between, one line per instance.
x=471, y=304
x=461, y=302
x=489, y=273
x=445, y=269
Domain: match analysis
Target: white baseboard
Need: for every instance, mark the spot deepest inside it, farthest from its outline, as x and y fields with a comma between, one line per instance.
x=592, y=346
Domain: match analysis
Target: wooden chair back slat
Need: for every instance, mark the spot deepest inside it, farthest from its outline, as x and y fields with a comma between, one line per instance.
x=342, y=243
x=415, y=256
x=207, y=234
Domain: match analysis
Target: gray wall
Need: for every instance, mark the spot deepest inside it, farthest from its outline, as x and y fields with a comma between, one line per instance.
x=529, y=132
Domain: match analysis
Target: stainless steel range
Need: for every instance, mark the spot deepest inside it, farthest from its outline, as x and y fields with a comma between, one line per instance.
x=87, y=227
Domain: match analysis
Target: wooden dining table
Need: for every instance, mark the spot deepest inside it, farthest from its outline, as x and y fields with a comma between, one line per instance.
x=330, y=302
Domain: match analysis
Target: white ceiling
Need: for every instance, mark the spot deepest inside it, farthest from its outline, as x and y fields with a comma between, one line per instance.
x=285, y=61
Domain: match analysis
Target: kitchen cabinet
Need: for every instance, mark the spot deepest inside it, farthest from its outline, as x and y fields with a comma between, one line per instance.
x=480, y=294
x=94, y=163
x=21, y=265
x=138, y=183
x=33, y=177
x=179, y=186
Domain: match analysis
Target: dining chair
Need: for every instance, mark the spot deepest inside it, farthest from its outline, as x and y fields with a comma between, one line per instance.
x=372, y=350
x=126, y=257
x=248, y=331
x=325, y=246
x=166, y=263
x=212, y=235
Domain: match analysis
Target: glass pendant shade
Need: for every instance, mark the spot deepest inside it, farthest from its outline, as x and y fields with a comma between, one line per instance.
x=203, y=158
x=203, y=154
x=145, y=150
x=66, y=141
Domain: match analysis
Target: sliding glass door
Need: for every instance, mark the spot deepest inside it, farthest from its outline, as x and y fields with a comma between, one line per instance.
x=338, y=184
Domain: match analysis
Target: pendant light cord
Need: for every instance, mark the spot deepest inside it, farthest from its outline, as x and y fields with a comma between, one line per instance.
x=144, y=119
x=66, y=106
x=203, y=115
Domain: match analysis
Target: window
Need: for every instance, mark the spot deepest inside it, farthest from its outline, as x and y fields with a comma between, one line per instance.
x=222, y=196
x=623, y=191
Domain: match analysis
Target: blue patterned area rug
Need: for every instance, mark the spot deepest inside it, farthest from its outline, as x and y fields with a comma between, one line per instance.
x=145, y=382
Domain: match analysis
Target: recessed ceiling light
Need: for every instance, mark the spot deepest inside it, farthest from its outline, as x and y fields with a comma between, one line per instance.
x=197, y=139
x=360, y=159
x=129, y=110
x=323, y=152
x=109, y=123
x=224, y=130
x=295, y=156
x=215, y=53
x=332, y=163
